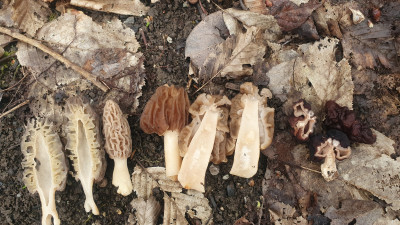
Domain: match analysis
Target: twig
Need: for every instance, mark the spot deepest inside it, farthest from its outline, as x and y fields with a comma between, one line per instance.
x=9, y=88
x=202, y=10
x=143, y=37
x=57, y=56
x=7, y=57
x=13, y=109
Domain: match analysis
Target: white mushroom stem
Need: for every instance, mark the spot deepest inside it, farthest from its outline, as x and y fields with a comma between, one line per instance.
x=328, y=168
x=121, y=177
x=173, y=159
x=48, y=208
x=195, y=163
x=247, y=151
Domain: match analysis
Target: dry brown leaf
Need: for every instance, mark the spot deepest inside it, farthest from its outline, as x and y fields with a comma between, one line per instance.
x=234, y=57
x=193, y=203
x=144, y=181
x=6, y=13
x=30, y=15
x=124, y=7
x=205, y=37
x=372, y=164
x=319, y=78
x=257, y=6
x=147, y=211
x=108, y=51
x=291, y=16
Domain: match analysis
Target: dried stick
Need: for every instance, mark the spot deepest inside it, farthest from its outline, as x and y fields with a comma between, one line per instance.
x=55, y=55
x=13, y=109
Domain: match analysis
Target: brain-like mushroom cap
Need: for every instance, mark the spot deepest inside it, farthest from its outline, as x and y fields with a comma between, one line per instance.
x=303, y=120
x=166, y=110
x=117, y=132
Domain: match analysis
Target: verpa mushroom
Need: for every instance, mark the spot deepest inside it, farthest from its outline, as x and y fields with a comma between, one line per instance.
x=44, y=164
x=117, y=134
x=195, y=162
x=252, y=124
x=165, y=114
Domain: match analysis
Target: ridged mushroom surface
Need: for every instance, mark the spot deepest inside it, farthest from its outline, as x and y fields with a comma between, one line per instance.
x=44, y=164
x=118, y=144
x=84, y=148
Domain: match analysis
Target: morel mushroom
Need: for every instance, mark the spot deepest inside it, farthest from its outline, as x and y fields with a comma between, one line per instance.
x=84, y=147
x=44, y=164
x=118, y=145
x=252, y=124
x=223, y=143
x=195, y=162
x=344, y=119
x=166, y=113
x=329, y=149
x=303, y=120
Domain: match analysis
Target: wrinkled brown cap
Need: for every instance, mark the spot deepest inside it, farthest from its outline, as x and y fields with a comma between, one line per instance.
x=167, y=109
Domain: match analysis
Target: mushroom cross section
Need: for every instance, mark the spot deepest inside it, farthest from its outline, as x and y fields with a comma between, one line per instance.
x=252, y=124
x=195, y=162
x=166, y=113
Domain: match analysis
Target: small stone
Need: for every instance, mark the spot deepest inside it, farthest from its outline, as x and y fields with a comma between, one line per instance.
x=18, y=195
x=230, y=190
x=225, y=177
x=104, y=214
x=119, y=212
x=185, y=4
x=251, y=183
x=214, y=170
x=222, y=208
x=169, y=40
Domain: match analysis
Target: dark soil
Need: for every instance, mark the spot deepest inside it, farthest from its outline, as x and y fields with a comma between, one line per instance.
x=165, y=63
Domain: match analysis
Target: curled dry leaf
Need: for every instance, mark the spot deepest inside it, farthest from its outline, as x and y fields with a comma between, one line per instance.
x=124, y=7
x=258, y=6
x=290, y=15
x=146, y=211
x=110, y=53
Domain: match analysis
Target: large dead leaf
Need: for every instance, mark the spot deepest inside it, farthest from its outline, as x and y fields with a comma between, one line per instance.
x=124, y=7
x=176, y=204
x=146, y=211
x=318, y=72
x=109, y=51
x=372, y=164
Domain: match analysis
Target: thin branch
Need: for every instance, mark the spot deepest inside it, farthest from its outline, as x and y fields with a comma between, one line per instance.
x=57, y=56
x=13, y=109
x=9, y=88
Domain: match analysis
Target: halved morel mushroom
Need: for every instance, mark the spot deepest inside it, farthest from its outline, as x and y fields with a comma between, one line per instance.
x=303, y=120
x=165, y=114
x=194, y=165
x=329, y=149
x=223, y=143
x=117, y=134
x=252, y=124
x=84, y=147
x=44, y=164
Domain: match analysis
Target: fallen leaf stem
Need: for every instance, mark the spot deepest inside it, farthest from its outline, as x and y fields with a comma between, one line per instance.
x=15, y=108
x=57, y=56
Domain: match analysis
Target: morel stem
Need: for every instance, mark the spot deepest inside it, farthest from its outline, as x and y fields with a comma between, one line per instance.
x=121, y=177
x=328, y=168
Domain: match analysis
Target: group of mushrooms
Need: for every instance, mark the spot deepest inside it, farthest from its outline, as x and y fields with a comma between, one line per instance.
x=218, y=128
x=45, y=165
x=342, y=127
x=208, y=137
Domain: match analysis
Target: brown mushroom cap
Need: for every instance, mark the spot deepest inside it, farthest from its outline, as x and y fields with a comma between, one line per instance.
x=166, y=110
x=323, y=145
